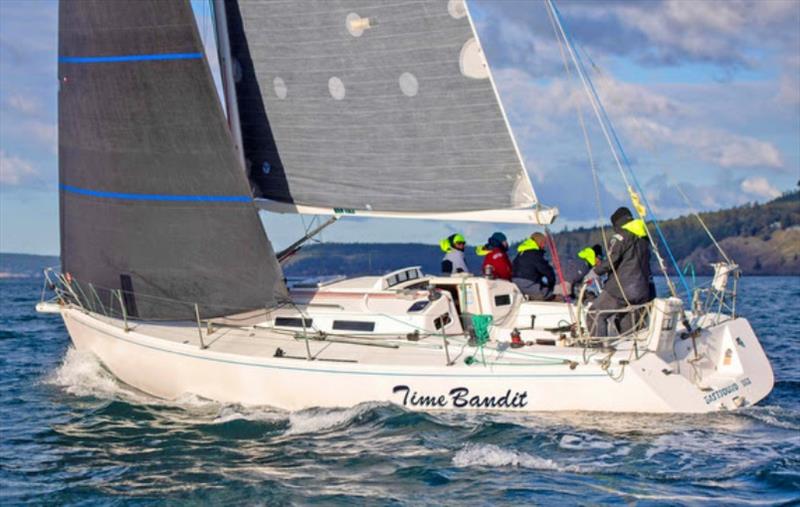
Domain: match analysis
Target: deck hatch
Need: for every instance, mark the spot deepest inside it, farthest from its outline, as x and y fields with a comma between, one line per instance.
x=502, y=300
x=353, y=325
x=293, y=322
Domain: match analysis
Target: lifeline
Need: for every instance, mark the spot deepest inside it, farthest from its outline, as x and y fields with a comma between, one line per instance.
x=460, y=398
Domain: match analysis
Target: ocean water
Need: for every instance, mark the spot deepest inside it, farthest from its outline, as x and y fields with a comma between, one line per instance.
x=71, y=434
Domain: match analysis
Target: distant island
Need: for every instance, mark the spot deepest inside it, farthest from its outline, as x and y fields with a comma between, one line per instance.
x=13, y=265
x=764, y=239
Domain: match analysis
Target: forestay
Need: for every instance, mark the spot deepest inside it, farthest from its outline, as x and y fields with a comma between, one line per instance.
x=153, y=200
x=377, y=108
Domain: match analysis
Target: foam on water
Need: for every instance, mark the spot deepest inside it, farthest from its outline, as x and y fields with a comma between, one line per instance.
x=228, y=413
x=490, y=455
x=81, y=374
x=322, y=419
x=583, y=442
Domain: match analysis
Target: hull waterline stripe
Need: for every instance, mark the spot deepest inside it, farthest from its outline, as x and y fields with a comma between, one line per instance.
x=156, y=197
x=129, y=58
x=344, y=372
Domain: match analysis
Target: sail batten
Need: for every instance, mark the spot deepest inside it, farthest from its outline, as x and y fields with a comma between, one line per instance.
x=371, y=106
x=153, y=200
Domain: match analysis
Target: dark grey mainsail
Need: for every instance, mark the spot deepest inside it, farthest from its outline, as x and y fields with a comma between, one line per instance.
x=153, y=200
x=371, y=105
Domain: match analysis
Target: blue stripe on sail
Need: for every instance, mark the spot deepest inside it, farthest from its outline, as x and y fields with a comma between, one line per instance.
x=157, y=197
x=129, y=58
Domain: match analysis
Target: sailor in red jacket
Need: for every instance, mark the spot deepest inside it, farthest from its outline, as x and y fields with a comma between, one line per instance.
x=496, y=263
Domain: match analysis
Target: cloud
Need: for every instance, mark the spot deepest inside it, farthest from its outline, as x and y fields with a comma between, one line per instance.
x=651, y=120
x=45, y=133
x=721, y=148
x=758, y=186
x=670, y=32
x=15, y=171
x=24, y=105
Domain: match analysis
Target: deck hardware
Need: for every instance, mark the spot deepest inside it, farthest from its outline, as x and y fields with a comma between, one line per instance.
x=278, y=352
x=199, y=326
x=516, y=340
x=413, y=337
x=666, y=371
x=124, y=311
x=572, y=364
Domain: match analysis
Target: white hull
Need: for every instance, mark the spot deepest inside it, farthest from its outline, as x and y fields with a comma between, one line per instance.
x=238, y=367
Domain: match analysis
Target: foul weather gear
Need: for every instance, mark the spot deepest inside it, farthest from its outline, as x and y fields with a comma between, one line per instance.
x=497, y=264
x=531, y=265
x=629, y=253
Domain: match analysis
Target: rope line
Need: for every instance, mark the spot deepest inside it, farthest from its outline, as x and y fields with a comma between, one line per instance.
x=616, y=150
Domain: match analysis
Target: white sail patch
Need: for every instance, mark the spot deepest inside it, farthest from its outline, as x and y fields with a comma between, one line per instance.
x=279, y=85
x=336, y=88
x=471, y=61
x=408, y=84
x=457, y=9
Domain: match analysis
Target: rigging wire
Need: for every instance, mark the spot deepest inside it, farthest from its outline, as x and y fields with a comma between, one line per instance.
x=616, y=150
x=702, y=222
x=590, y=153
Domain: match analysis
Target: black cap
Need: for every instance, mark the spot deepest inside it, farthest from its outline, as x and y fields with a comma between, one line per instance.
x=622, y=216
x=598, y=250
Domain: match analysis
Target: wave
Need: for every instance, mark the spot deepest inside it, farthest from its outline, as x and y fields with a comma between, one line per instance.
x=82, y=374
x=776, y=416
x=315, y=420
x=490, y=455
x=583, y=442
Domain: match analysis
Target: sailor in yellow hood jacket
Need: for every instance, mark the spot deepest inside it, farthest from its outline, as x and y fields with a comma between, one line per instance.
x=453, y=248
x=627, y=266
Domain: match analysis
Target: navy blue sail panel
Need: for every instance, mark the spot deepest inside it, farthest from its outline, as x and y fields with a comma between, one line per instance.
x=153, y=200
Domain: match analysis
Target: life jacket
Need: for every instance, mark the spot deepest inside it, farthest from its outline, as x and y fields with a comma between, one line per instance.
x=482, y=250
x=588, y=255
x=636, y=227
x=526, y=245
x=449, y=242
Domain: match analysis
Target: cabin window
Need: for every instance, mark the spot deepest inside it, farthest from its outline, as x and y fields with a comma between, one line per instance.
x=503, y=300
x=419, y=306
x=353, y=325
x=441, y=321
x=293, y=322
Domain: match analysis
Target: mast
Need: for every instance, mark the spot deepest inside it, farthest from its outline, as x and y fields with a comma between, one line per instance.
x=228, y=83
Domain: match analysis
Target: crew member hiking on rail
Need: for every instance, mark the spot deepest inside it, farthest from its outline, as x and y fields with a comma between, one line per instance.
x=630, y=281
x=453, y=248
x=496, y=263
x=533, y=275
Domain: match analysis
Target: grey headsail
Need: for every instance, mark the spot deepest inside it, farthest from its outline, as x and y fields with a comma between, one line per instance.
x=153, y=200
x=383, y=106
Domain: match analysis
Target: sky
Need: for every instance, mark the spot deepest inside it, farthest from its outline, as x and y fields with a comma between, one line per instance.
x=703, y=94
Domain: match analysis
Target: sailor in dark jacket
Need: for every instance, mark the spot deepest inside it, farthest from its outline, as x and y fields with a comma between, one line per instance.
x=579, y=271
x=532, y=273
x=628, y=268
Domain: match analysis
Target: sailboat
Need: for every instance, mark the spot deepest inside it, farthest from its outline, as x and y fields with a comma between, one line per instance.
x=340, y=108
